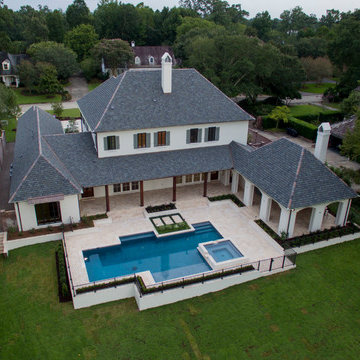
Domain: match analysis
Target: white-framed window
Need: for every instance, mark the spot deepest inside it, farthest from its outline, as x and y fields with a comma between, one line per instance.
x=6, y=65
x=151, y=60
x=188, y=178
x=135, y=185
x=126, y=187
x=162, y=138
x=142, y=140
x=196, y=177
x=212, y=133
x=193, y=136
x=116, y=188
x=137, y=60
x=111, y=142
x=179, y=179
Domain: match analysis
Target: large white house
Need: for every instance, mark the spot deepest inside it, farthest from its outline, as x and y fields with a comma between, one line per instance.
x=161, y=128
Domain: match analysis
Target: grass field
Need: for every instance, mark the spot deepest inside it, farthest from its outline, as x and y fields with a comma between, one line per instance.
x=94, y=84
x=34, y=99
x=311, y=312
x=9, y=133
x=75, y=112
x=301, y=110
x=316, y=88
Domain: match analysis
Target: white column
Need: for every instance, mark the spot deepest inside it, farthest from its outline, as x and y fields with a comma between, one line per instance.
x=342, y=212
x=265, y=207
x=235, y=182
x=226, y=177
x=287, y=222
x=316, y=219
x=248, y=193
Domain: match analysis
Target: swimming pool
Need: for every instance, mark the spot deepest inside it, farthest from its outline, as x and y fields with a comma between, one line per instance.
x=166, y=258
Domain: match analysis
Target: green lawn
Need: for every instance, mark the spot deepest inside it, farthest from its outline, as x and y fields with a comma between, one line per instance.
x=34, y=99
x=302, y=110
x=316, y=88
x=9, y=133
x=311, y=312
x=94, y=84
x=75, y=112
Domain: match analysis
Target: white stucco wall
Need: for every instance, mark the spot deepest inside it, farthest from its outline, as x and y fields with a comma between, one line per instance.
x=69, y=207
x=236, y=131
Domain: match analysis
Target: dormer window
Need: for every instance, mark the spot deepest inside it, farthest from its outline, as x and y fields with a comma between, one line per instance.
x=6, y=65
x=141, y=140
x=151, y=60
x=111, y=143
x=137, y=61
x=193, y=136
x=162, y=138
x=212, y=133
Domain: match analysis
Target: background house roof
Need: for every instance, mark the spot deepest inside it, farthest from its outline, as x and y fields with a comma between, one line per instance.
x=37, y=170
x=135, y=100
x=14, y=62
x=144, y=53
x=289, y=174
x=340, y=129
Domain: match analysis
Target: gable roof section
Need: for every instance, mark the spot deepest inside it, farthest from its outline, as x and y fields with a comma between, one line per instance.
x=135, y=100
x=79, y=156
x=144, y=52
x=14, y=60
x=37, y=171
x=289, y=174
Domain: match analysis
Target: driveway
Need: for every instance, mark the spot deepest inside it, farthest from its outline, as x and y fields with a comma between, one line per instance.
x=5, y=177
x=78, y=87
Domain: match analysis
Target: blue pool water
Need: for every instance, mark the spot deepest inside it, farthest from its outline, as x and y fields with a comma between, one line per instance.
x=166, y=258
x=224, y=250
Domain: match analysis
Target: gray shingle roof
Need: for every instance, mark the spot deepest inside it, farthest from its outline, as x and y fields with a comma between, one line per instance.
x=78, y=153
x=289, y=174
x=135, y=100
x=14, y=59
x=37, y=171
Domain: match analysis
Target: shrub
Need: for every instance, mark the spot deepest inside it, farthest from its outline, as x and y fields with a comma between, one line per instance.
x=163, y=207
x=232, y=197
x=63, y=281
x=105, y=285
x=304, y=128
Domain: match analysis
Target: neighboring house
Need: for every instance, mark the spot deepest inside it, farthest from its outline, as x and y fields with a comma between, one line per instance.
x=146, y=130
x=8, y=72
x=144, y=57
x=340, y=129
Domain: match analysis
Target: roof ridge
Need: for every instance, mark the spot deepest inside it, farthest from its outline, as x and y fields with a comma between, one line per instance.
x=38, y=129
x=296, y=176
x=111, y=99
x=52, y=150
x=24, y=178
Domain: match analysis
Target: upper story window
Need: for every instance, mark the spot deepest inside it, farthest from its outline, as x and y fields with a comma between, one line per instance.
x=111, y=142
x=137, y=60
x=162, y=138
x=6, y=65
x=141, y=140
x=212, y=133
x=193, y=136
x=151, y=60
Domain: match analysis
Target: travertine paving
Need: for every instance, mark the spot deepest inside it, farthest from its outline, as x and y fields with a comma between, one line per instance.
x=232, y=222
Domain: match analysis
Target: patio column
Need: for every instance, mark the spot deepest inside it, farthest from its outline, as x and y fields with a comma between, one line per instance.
x=265, y=207
x=107, y=198
x=316, y=218
x=205, y=184
x=287, y=222
x=227, y=177
x=141, y=193
x=235, y=182
x=174, y=189
x=342, y=212
x=248, y=193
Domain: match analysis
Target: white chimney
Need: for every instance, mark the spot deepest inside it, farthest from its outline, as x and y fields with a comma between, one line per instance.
x=322, y=141
x=133, y=43
x=166, y=73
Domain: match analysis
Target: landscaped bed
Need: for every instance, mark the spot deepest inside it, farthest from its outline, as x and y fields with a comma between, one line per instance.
x=302, y=325
x=231, y=197
x=86, y=222
x=157, y=208
x=169, y=223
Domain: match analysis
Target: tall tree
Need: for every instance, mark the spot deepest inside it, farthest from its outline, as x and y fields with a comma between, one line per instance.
x=116, y=53
x=8, y=102
x=81, y=40
x=63, y=58
x=78, y=13
x=56, y=24
x=28, y=75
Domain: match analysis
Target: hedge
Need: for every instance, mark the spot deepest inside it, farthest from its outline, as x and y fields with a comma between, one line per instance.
x=311, y=238
x=303, y=128
x=325, y=116
x=163, y=207
x=63, y=281
x=105, y=285
x=231, y=197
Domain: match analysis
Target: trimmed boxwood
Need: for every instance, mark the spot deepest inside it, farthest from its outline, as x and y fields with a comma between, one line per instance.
x=182, y=283
x=304, y=128
x=311, y=238
x=232, y=197
x=63, y=281
x=325, y=116
x=163, y=207
x=105, y=285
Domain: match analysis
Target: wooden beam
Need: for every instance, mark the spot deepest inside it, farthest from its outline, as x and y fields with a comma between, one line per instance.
x=205, y=184
x=107, y=199
x=141, y=193
x=174, y=188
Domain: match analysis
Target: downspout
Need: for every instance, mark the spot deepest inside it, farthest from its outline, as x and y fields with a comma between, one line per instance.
x=18, y=210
